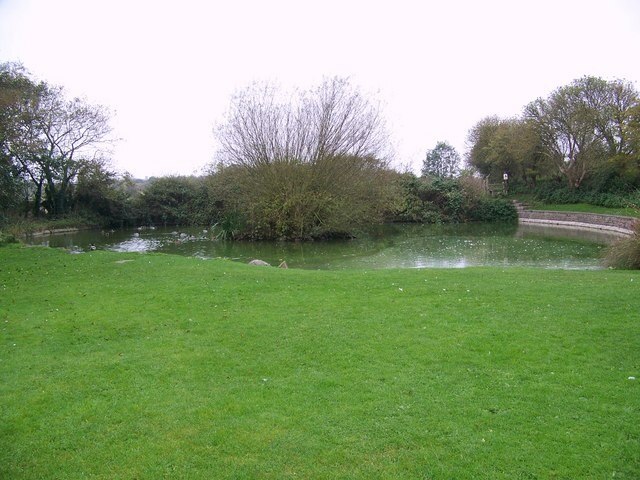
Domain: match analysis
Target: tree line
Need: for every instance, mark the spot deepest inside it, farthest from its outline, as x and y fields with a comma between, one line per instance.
x=47, y=141
x=313, y=164
x=582, y=142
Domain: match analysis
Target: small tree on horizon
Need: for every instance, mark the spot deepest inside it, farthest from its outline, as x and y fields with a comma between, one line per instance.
x=443, y=161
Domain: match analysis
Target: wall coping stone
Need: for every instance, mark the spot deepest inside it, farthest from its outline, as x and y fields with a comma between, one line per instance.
x=623, y=226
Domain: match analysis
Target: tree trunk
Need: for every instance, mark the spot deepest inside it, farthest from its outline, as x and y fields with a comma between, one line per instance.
x=37, y=199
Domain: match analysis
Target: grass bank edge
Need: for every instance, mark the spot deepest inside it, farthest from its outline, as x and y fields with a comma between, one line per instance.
x=586, y=208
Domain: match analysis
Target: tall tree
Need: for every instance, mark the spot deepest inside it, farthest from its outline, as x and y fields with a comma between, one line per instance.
x=50, y=137
x=264, y=125
x=583, y=124
x=478, y=142
x=16, y=91
x=609, y=101
x=442, y=161
x=498, y=146
x=628, y=163
x=70, y=133
x=632, y=131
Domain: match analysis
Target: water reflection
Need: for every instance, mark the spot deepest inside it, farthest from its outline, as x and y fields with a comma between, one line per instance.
x=391, y=246
x=137, y=244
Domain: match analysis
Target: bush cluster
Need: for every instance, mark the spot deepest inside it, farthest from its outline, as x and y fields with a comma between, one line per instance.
x=450, y=200
x=335, y=197
x=174, y=201
x=288, y=200
x=553, y=192
x=7, y=238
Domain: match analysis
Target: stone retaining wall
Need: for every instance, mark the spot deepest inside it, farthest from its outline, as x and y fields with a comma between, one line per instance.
x=613, y=223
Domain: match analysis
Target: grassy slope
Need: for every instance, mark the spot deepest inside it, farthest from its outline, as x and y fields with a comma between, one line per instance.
x=586, y=208
x=170, y=367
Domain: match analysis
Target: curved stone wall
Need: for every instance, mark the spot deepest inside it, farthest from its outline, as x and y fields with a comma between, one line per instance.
x=620, y=225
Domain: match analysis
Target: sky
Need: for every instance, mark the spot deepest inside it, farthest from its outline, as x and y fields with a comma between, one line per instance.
x=167, y=69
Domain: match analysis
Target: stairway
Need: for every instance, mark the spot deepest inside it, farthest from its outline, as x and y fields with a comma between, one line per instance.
x=520, y=206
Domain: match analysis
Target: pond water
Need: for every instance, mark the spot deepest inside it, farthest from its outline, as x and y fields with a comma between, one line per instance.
x=391, y=246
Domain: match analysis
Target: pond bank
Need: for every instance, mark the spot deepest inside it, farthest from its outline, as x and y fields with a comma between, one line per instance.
x=619, y=225
x=55, y=231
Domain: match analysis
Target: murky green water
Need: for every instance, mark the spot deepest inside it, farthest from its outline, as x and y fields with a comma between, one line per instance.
x=394, y=246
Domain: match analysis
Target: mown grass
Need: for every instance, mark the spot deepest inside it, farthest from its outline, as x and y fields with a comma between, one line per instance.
x=150, y=366
x=587, y=208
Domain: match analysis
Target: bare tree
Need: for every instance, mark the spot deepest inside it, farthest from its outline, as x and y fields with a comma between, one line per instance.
x=313, y=162
x=344, y=123
x=333, y=120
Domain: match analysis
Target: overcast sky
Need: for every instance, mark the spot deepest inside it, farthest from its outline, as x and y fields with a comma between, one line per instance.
x=167, y=69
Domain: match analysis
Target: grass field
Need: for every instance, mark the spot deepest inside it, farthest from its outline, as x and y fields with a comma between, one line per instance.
x=586, y=208
x=127, y=366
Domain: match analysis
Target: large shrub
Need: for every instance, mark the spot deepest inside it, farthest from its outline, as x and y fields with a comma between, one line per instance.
x=174, y=201
x=308, y=165
x=335, y=196
x=412, y=201
x=625, y=253
x=553, y=192
x=438, y=200
x=490, y=209
x=103, y=197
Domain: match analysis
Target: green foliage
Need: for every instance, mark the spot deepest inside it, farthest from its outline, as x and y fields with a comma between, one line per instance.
x=45, y=140
x=489, y=209
x=625, y=253
x=443, y=161
x=12, y=187
x=555, y=192
x=305, y=165
x=15, y=89
x=230, y=226
x=584, y=124
x=174, y=201
x=7, y=238
x=412, y=205
x=509, y=146
x=583, y=137
x=294, y=200
x=440, y=200
x=100, y=193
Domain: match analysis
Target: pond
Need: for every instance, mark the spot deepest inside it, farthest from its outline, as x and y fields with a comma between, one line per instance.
x=391, y=246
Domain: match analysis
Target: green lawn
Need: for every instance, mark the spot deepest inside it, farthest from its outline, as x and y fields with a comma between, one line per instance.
x=127, y=366
x=586, y=208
